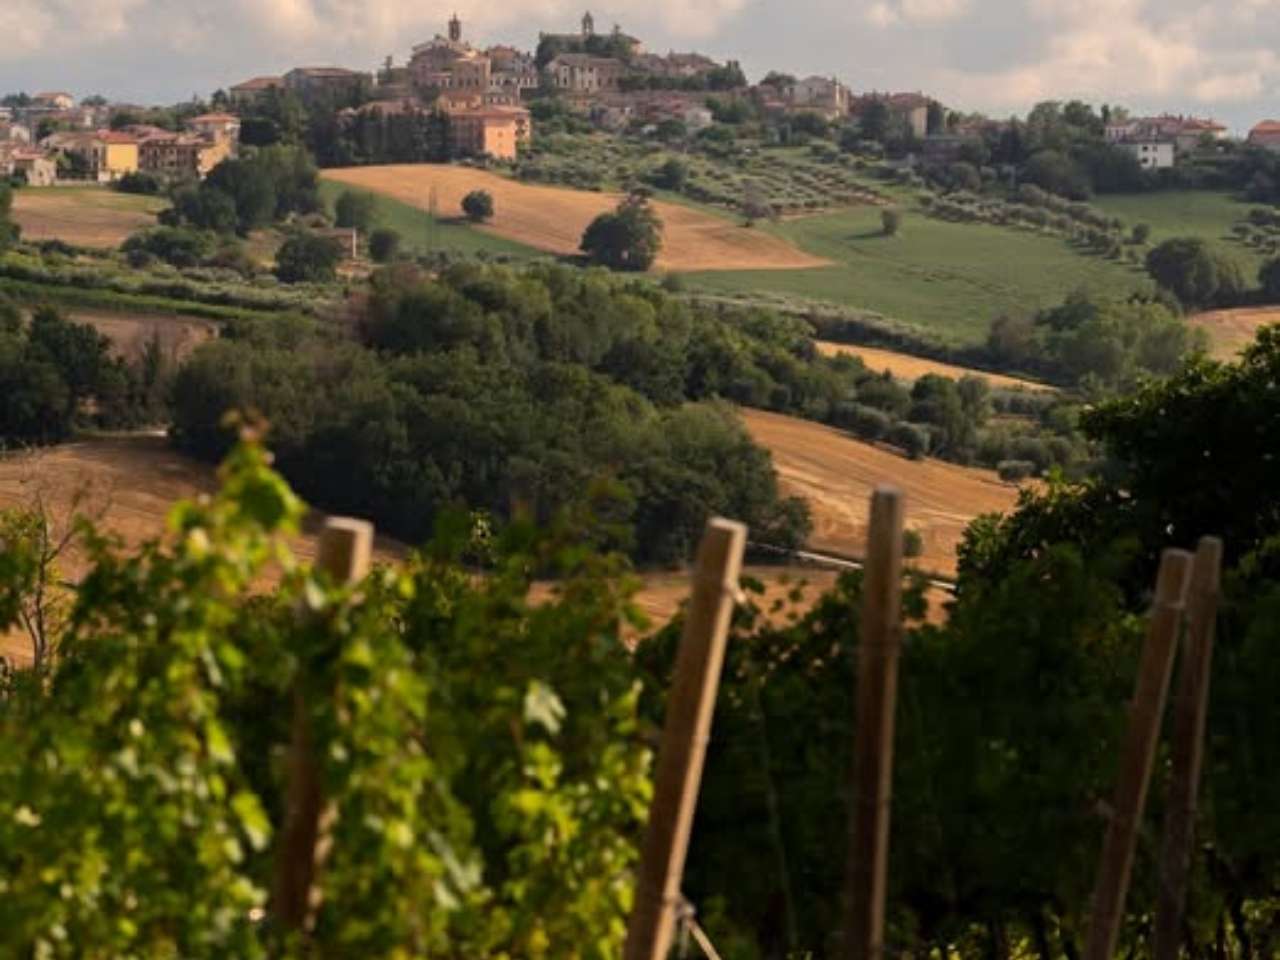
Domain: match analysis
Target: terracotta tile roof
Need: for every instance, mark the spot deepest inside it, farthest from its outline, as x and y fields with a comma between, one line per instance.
x=318, y=72
x=1268, y=127
x=215, y=118
x=260, y=83
x=115, y=136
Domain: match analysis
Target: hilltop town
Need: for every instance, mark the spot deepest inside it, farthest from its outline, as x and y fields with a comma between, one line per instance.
x=485, y=103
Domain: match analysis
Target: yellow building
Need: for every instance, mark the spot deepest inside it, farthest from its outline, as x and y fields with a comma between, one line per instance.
x=494, y=132
x=104, y=155
x=118, y=155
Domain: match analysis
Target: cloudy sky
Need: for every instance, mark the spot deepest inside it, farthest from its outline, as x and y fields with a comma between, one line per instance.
x=999, y=56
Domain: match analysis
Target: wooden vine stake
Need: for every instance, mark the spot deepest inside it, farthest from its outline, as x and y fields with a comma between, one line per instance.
x=1191, y=708
x=684, y=740
x=1138, y=755
x=344, y=554
x=879, y=645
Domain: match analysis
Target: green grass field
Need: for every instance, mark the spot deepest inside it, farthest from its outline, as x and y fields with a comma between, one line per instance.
x=421, y=233
x=1199, y=213
x=946, y=280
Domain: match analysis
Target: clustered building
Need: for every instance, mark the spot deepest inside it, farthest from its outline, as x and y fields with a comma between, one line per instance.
x=82, y=148
x=1157, y=141
x=609, y=78
x=481, y=92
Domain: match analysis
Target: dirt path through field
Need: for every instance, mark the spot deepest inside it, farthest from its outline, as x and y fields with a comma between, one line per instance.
x=1230, y=331
x=553, y=218
x=837, y=474
x=906, y=367
x=83, y=216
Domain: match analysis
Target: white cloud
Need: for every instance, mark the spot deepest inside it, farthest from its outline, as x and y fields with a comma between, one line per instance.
x=34, y=26
x=886, y=13
x=1127, y=49
x=30, y=28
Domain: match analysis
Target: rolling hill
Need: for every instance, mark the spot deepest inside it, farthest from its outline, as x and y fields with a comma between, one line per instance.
x=553, y=219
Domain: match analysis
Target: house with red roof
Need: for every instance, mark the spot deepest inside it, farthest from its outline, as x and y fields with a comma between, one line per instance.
x=1266, y=134
x=1184, y=133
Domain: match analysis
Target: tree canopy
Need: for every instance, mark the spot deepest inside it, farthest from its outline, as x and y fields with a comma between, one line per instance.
x=629, y=238
x=54, y=371
x=251, y=192
x=1196, y=274
x=478, y=206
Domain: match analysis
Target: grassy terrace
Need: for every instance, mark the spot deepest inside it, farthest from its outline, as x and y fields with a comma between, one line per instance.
x=948, y=280
x=422, y=233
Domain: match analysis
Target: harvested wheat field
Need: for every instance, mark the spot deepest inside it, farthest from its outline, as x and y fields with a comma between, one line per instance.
x=906, y=367
x=130, y=333
x=553, y=219
x=83, y=216
x=128, y=484
x=125, y=484
x=1230, y=331
x=837, y=474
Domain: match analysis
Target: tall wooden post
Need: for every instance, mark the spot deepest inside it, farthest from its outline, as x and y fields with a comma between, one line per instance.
x=344, y=554
x=879, y=645
x=1145, y=713
x=686, y=729
x=1191, y=708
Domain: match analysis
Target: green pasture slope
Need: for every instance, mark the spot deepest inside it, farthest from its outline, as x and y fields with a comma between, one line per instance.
x=1181, y=213
x=421, y=233
x=947, y=281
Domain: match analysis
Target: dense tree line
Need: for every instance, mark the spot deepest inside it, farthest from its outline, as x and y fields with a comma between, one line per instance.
x=494, y=387
x=498, y=391
x=247, y=193
x=56, y=375
x=372, y=136
x=1095, y=344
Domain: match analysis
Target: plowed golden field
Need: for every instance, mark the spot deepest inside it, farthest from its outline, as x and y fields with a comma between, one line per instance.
x=837, y=474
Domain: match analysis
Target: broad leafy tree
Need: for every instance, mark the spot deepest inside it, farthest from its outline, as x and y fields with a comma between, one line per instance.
x=307, y=257
x=629, y=238
x=478, y=206
x=1195, y=273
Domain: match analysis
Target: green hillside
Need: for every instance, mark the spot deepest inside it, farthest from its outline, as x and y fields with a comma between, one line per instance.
x=1201, y=213
x=948, y=280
